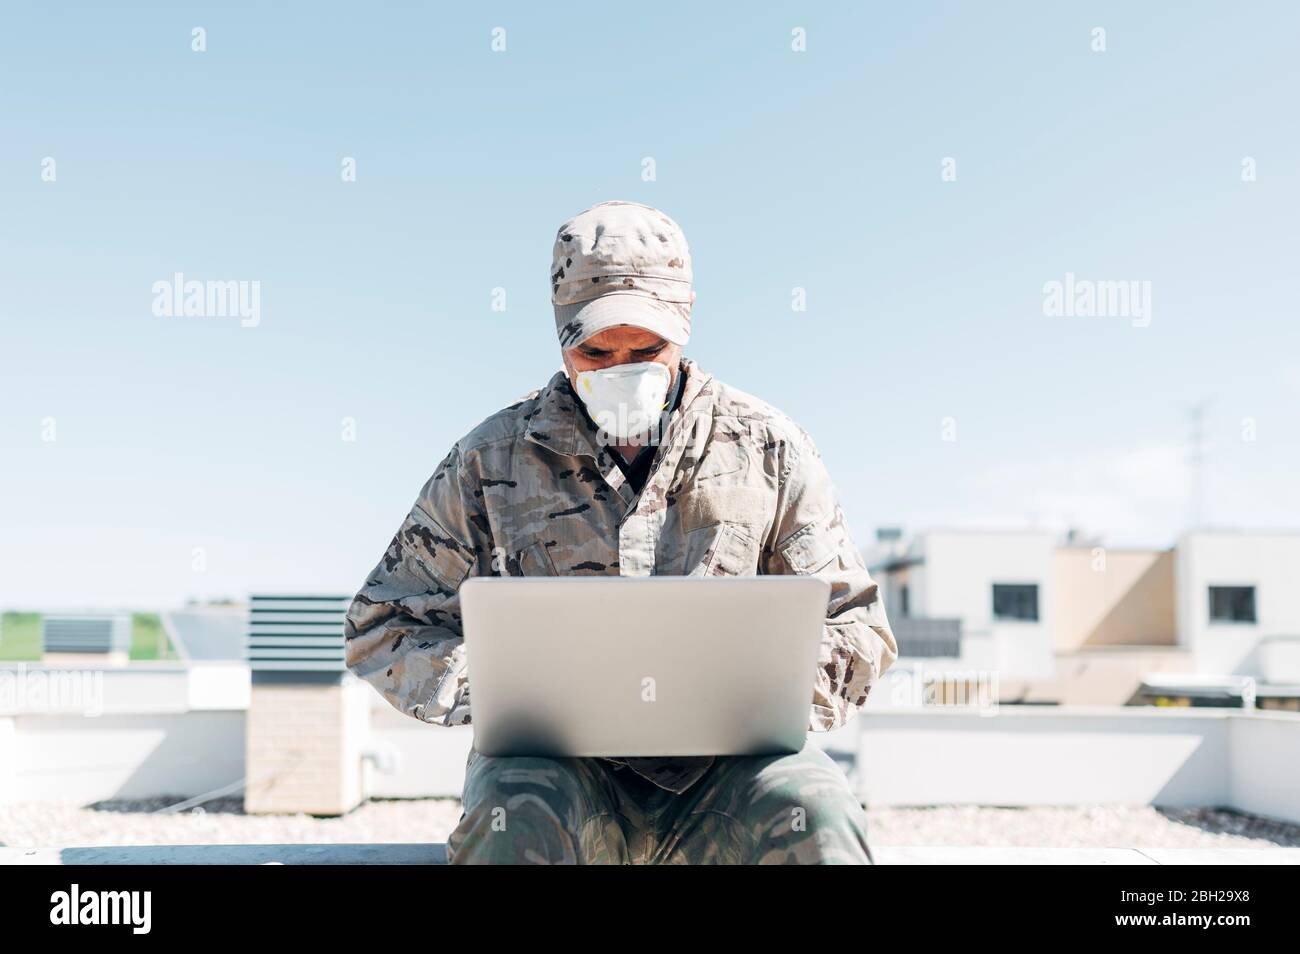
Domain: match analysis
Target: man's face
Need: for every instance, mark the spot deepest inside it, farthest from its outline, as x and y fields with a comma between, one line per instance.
x=623, y=344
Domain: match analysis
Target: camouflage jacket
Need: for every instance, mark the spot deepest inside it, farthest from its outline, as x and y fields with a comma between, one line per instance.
x=737, y=489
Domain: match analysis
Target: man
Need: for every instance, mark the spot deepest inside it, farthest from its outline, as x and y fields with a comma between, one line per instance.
x=631, y=461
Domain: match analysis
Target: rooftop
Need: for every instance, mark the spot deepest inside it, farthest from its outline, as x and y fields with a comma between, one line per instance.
x=150, y=832
x=417, y=854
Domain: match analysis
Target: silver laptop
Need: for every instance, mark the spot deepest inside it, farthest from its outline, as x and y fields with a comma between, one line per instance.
x=646, y=666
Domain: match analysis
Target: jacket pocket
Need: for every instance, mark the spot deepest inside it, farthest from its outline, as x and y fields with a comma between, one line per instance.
x=729, y=454
x=535, y=560
x=811, y=549
x=735, y=553
x=434, y=550
x=719, y=549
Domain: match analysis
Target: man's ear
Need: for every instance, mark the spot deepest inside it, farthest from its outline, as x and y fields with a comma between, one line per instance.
x=568, y=368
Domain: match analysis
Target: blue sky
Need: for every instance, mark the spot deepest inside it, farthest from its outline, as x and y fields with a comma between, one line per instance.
x=818, y=170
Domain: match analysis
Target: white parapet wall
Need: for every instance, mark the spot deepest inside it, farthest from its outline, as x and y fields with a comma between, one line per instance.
x=1248, y=760
x=180, y=732
x=175, y=755
x=1264, y=764
x=1011, y=755
x=149, y=730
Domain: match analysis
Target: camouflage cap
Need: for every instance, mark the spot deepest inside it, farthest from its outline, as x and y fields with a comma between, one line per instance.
x=621, y=263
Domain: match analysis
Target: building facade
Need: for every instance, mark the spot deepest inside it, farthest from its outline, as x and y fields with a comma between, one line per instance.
x=1213, y=620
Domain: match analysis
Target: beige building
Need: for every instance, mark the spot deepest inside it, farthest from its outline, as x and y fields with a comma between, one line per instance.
x=1213, y=620
x=1113, y=622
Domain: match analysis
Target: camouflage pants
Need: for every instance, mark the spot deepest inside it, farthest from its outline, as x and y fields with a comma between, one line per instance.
x=776, y=809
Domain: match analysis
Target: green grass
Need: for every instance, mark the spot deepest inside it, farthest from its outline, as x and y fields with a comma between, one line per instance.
x=20, y=637
x=148, y=641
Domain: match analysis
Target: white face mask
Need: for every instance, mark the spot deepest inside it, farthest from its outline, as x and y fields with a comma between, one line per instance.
x=626, y=400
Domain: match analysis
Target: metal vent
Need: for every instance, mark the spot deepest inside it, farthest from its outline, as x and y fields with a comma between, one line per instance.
x=86, y=633
x=290, y=634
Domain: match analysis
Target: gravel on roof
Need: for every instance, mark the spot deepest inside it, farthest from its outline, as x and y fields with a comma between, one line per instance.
x=222, y=821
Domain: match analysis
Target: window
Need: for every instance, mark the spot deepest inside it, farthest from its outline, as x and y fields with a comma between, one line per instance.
x=1015, y=601
x=903, y=600
x=1232, y=604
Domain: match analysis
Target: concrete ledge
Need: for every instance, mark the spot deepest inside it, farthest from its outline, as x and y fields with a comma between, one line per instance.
x=383, y=854
x=938, y=855
x=416, y=854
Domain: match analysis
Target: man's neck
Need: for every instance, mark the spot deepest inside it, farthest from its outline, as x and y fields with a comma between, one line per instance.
x=629, y=452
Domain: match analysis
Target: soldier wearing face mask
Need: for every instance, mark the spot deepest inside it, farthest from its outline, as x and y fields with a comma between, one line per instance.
x=631, y=461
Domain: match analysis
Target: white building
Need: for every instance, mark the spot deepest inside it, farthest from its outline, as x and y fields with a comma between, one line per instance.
x=1238, y=603
x=1215, y=619
x=998, y=584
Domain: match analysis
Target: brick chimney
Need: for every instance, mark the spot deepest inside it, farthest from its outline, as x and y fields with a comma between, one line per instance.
x=307, y=715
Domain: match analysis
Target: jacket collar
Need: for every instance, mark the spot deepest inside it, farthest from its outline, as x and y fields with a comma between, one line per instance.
x=560, y=423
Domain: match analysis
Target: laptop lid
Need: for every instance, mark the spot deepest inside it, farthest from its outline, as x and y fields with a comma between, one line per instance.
x=641, y=666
